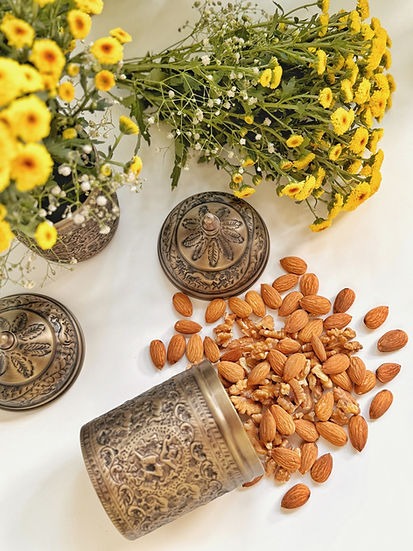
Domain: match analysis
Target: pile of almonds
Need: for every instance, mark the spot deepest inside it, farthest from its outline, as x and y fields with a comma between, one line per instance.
x=292, y=384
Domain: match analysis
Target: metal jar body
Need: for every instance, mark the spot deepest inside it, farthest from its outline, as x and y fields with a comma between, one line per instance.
x=175, y=447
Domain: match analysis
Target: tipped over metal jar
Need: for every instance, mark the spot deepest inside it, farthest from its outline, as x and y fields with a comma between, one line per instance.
x=175, y=447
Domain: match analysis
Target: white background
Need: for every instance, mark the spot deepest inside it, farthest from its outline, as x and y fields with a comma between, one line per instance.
x=123, y=300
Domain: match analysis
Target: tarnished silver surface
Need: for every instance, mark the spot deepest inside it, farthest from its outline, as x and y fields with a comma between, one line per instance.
x=213, y=245
x=41, y=350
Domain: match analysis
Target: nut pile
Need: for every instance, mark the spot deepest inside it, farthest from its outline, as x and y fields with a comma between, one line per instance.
x=294, y=383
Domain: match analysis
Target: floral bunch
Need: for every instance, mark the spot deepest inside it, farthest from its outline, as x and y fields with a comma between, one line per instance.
x=294, y=98
x=56, y=95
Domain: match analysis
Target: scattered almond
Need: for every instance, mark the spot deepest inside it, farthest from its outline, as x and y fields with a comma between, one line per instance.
x=337, y=321
x=254, y=299
x=318, y=348
x=176, y=349
x=182, y=304
x=324, y=407
x=335, y=434
x=294, y=265
x=342, y=380
x=313, y=327
x=285, y=282
x=392, y=340
x=296, y=321
x=286, y=458
x=230, y=371
x=232, y=355
x=293, y=366
x=288, y=346
x=187, y=327
x=296, y=496
x=387, y=371
x=283, y=420
x=369, y=382
x=290, y=303
x=240, y=307
x=195, y=349
x=315, y=304
x=309, y=284
x=215, y=310
x=270, y=296
x=336, y=364
x=267, y=427
x=306, y=430
x=376, y=317
x=344, y=300
x=211, y=350
x=259, y=373
x=322, y=468
x=358, y=432
x=277, y=361
x=357, y=370
x=309, y=452
x=157, y=351
x=380, y=404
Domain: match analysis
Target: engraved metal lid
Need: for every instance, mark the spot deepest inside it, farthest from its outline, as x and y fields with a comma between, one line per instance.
x=213, y=245
x=41, y=350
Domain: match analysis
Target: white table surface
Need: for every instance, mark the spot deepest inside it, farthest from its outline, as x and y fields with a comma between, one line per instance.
x=122, y=300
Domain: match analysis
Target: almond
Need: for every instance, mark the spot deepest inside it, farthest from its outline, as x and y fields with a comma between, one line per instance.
x=253, y=481
x=309, y=452
x=296, y=321
x=369, y=382
x=254, y=299
x=187, y=327
x=296, y=496
x=176, y=349
x=318, y=348
x=306, y=430
x=286, y=458
x=294, y=265
x=386, y=372
x=337, y=321
x=357, y=370
x=290, y=303
x=230, y=371
x=376, y=317
x=211, y=350
x=157, y=351
x=277, y=361
x=259, y=373
x=336, y=364
x=315, y=304
x=309, y=284
x=333, y=433
x=344, y=300
x=322, y=468
x=267, y=427
x=182, y=304
x=283, y=420
x=232, y=355
x=343, y=381
x=270, y=296
x=313, y=327
x=240, y=307
x=293, y=366
x=358, y=432
x=380, y=404
x=285, y=282
x=215, y=310
x=324, y=407
x=195, y=349
x=288, y=346
x=392, y=340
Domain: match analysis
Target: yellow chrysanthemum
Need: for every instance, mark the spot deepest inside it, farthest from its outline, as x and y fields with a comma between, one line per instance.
x=6, y=235
x=69, y=134
x=375, y=137
x=4, y=175
x=66, y=91
x=3, y=211
x=107, y=50
x=43, y=3
x=72, y=69
x=382, y=83
x=31, y=166
x=378, y=160
x=339, y=62
x=323, y=20
x=320, y=225
x=347, y=90
x=291, y=189
x=342, y=120
x=294, y=141
x=47, y=57
x=336, y=207
x=378, y=103
x=367, y=117
x=303, y=162
x=354, y=167
x=18, y=32
x=248, y=162
x=386, y=59
x=33, y=81
x=363, y=8
x=93, y=7
x=121, y=35
x=357, y=196
x=276, y=77
x=325, y=97
x=136, y=165
x=355, y=22
x=321, y=61
x=245, y=191
x=335, y=152
x=265, y=78
x=307, y=188
x=366, y=170
x=378, y=48
x=11, y=80
x=50, y=83
x=324, y=5
x=127, y=126
x=237, y=178
x=362, y=94
x=359, y=140
x=45, y=235
x=8, y=144
x=104, y=80
x=30, y=118
x=249, y=119
x=286, y=165
x=366, y=31
x=80, y=23
x=319, y=177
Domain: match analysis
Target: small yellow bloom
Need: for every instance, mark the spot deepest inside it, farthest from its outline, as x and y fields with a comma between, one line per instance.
x=4, y=175
x=8, y=144
x=375, y=181
x=93, y=7
x=339, y=63
x=363, y=8
x=386, y=59
x=354, y=167
x=30, y=118
x=3, y=212
x=325, y=97
x=237, y=178
x=248, y=162
x=321, y=61
x=265, y=78
x=378, y=103
x=66, y=91
x=17, y=31
x=6, y=235
x=286, y=165
x=291, y=189
x=342, y=120
x=276, y=77
x=80, y=23
x=69, y=134
x=127, y=126
x=136, y=165
x=320, y=225
x=324, y=5
x=347, y=90
x=120, y=35
x=360, y=193
x=11, y=80
x=43, y=3
x=363, y=92
x=367, y=117
x=355, y=22
x=336, y=207
x=45, y=235
x=33, y=81
x=107, y=50
x=359, y=140
x=375, y=137
x=382, y=83
x=303, y=162
x=307, y=188
x=249, y=119
x=104, y=80
x=319, y=177
x=295, y=140
x=106, y=170
x=72, y=69
x=31, y=166
x=47, y=57
x=323, y=19
x=245, y=191
x=366, y=170
x=335, y=152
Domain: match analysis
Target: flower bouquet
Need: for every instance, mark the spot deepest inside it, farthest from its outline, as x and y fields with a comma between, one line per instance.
x=56, y=94
x=290, y=97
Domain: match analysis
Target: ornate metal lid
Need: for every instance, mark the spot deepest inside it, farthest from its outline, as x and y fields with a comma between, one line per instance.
x=213, y=245
x=41, y=350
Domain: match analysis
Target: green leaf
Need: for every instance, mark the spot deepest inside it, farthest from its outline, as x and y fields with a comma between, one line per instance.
x=137, y=113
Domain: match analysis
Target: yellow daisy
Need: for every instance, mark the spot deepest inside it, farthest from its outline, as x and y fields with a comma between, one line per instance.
x=11, y=80
x=335, y=152
x=320, y=225
x=355, y=22
x=47, y=57
x=303, y=162
x=321, y=61
x=319, y=177
x=362, y=94
x=127, y=126
x=295, y=140
x=325, y=97
x=66, y=91
x=342, y=120
x=286, y=165
x=307, y=188
x=33, y=81
x=72, y=69
x=107, y=50
x=359, y=140
x=43, y=3
x=69, y=134
x=337, y=206
x=354, y=167
x=94, y=7
x=8, y=144
x=6, y=235
x=104, y=80
x=248, y=162
x=4, y=175
x=30, y=118
x=245, y=191
x=375, y=137
x=323, y=20
x=120, y=35
x=45, y=235
x=276, y=77
x=367, y=117
x=31, y=166
x=80, y=23
x=363, y=8
x=136, y=165
x=357, y=196
x=378, y=103
x=347, y=90
x=18, y=32
x=291, y=189
x=249, y=119
x=265, y=78
x=237, y=178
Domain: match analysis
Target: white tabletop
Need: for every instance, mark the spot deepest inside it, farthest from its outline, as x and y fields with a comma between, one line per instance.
x=122, y=300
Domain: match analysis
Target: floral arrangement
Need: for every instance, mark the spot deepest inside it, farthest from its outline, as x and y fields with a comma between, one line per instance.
x=56, y=95
x=291, y=99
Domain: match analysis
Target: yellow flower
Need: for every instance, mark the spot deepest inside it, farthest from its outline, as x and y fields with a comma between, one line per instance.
x=354, y=167
x=309, y=185
x=286, y=165
x=47, y=57
x=127, y=126
x=17, y=31
x=367, y=31
x=248, y=162
x=363, y=92
x=33, y=81
x=386, y=59
x=291, y=189
x=265, y=78
x=359, y=140
x=321, y=61
x=45, y=235
x=94, y=7
x=336, y=207
x=325, y=97
x=378, y=103
x=347, y=90
x=363, y=8
x=339, y=63
x=106, y=170
x=11, y=80
x=378, y=159
x=323, y=19
x=30, y=118
x=335, y=152
x=354, y=74
x=358, y=195
x=303, y=162
x=323, y=5
x=8, y=145
x=69, y=134
x=320, y=225
x=382, y=83
x=342, y=120
x=104, y=80
x=31, y=167
x=375, y=137
x=66, y=91
x=80, y=23
x=6, y=235
x=3, y=212
x=276, y=77
x=4, y=175
x=107, y=50
x=366, y=170
x=249, y=119
x=72, y=69
x=319, y=177
x=355, y=22
x=295, y=140
x=50, y=83
x=237, y=178
x=367, y=117
x=120, y=35
x=136, y=165
x=245, y=191
x=375, y=181
x=43, y=3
